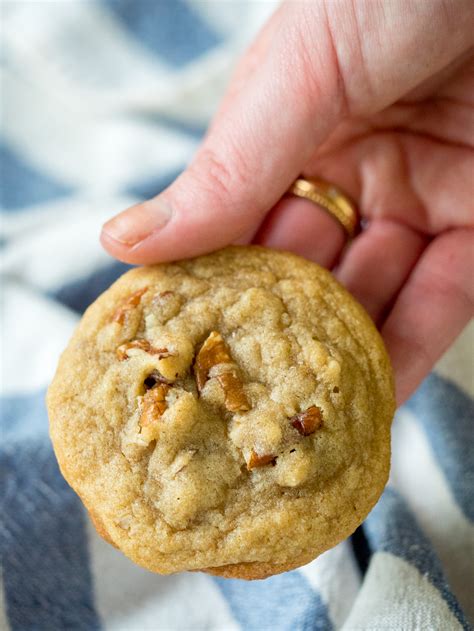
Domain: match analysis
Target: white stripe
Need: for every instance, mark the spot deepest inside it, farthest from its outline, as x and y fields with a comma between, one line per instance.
x=34, y=333
x=64, y=249
x=335, y=576
x=122, y=76
x=4, y=626
x=457, y=364
x=80, y=49
x=395, y=596
x=102, y=155
x=416, y=474
x=40, y=217
x=129, y=598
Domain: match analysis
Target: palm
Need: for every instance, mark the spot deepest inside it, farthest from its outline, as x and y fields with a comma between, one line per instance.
x=423, y=143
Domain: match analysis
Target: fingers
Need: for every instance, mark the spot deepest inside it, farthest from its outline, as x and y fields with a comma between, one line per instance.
x=378, y=263
x=300, y=226
x=431, y=310
x=306, y=81
x=405, y=177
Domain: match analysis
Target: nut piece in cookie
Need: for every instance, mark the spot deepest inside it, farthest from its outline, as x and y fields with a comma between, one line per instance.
x=152, y=408
x=123, y=351
x=259, y=460
x=128, y=305
x=214, y=353
x=307, y=422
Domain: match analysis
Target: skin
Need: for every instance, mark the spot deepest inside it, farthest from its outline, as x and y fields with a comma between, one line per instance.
x=377, y=97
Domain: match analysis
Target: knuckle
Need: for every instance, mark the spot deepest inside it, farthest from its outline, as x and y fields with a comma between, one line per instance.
x=222, y=180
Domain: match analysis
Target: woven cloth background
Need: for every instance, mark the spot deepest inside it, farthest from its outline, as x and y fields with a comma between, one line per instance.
x=103, y=103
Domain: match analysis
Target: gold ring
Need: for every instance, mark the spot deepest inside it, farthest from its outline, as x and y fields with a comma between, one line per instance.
x=332, y=199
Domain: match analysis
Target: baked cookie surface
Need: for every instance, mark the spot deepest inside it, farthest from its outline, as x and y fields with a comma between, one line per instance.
x=229, y=413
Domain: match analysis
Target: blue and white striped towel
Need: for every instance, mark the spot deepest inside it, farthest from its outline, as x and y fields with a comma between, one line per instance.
x=103, y=103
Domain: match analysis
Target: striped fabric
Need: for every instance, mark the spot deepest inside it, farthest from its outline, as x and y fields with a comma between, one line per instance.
x=103, y=103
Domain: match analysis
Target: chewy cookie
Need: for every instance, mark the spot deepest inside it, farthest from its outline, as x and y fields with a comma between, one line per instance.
x=229, y=413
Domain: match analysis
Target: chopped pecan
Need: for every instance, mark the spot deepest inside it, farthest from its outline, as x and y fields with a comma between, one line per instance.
x=214, y=351
x=129, y=303
x=260, y=460
x=144, y=345
x=235, y=399
x=307, y=422
x=153, y=404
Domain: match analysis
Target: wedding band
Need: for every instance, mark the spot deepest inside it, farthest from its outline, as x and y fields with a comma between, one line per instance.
x=332, y=199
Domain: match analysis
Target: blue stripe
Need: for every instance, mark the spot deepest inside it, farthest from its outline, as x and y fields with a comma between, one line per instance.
x=285, y=602
x=150, y=187
x=175, y=125
x=391, y=527
x=43, y=544
x=361, y=549
x=22, y=185
x=169, y=28
x=22, y=417
x=446, y=414
x=79, y=294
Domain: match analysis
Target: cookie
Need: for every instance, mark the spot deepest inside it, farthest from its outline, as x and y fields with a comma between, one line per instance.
x=229, y=413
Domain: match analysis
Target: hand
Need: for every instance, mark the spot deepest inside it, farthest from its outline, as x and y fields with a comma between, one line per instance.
x=377, y=97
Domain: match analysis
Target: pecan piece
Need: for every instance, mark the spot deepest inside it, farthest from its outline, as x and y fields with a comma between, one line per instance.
x=214, y=351
x=144, y=345
x=129, y=303
x=153, y=404
x=235, y=399
x=260, y=460
x=307, y=422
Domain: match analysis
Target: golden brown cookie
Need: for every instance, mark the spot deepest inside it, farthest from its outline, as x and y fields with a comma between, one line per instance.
x=229, y=413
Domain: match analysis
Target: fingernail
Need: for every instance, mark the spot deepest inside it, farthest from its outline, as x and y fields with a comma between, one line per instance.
x=137, y=222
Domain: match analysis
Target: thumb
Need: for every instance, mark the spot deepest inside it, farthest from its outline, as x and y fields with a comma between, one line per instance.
x=255, y=148
x=305, y=82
